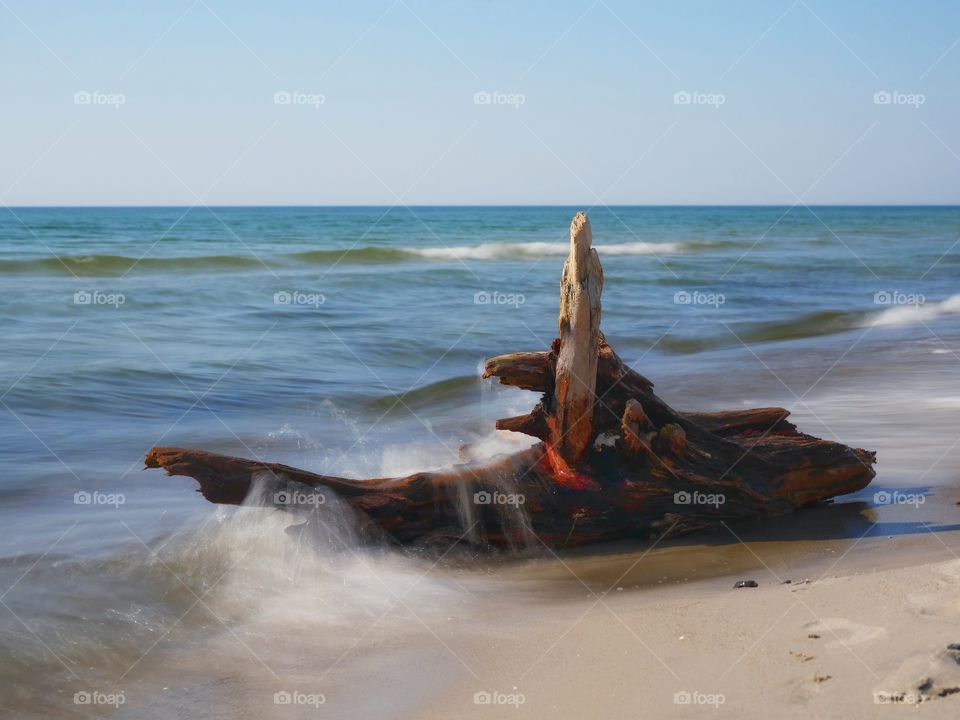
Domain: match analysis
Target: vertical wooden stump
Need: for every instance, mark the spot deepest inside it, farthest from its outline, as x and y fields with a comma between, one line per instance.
x=574, y=394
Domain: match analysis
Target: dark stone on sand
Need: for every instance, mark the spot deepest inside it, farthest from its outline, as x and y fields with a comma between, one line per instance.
x=745, y=583
x=953, y=652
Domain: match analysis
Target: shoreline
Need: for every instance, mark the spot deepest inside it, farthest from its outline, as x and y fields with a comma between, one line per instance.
x=615, y=631
x=852, y=635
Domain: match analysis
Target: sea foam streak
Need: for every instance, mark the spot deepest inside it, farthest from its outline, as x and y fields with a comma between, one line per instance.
x=94, y=265
x=276, y=571
x=504, y=251
x=914, y=314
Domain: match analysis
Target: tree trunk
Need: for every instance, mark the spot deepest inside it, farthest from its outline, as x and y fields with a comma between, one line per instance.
x=615, y=460
x=575, y=374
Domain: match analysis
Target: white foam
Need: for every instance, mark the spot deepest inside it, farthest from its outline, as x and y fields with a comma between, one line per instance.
x=273, y=579
x=916, y=314
x=504, y=251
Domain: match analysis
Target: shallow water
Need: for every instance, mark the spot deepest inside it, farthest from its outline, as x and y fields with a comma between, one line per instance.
x=366, y=364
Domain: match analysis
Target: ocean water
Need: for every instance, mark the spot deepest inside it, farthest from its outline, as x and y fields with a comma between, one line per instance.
x=349, y=341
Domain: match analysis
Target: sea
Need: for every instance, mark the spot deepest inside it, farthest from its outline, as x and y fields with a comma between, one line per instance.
x=350, y=341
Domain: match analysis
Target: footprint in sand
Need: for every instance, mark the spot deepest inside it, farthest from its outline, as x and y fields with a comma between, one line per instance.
x=841, y=632
x=934, y=605
x=942, y=599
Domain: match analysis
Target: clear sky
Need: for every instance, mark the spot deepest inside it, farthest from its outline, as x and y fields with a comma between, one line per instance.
x=485, y=102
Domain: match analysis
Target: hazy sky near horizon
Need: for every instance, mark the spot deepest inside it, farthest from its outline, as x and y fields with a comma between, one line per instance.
x=415, y=102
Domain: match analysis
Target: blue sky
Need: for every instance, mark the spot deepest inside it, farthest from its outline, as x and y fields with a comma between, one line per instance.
x=175, y=103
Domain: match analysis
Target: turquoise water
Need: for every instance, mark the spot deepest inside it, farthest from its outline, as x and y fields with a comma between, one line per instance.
x=348, y=340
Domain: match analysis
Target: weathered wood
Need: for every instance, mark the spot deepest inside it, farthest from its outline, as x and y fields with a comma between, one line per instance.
x=575, y=375
x=533, y=423
x=615, y=461
x=660, y=493
x=736, y=422
x=527, y=370
x=534, y=370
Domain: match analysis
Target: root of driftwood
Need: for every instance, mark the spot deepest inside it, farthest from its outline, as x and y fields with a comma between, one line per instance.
x=614, y=459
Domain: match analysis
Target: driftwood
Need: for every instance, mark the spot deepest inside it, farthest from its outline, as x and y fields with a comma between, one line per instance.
x=575, y=373
x=614, y=459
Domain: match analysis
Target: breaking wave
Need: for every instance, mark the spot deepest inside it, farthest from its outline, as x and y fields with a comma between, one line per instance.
x=916, y=313
x=92, y=265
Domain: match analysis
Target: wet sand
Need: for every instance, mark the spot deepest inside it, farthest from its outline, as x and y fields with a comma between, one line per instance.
x=630, y=630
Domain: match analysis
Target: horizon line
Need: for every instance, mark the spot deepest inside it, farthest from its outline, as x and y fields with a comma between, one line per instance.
x=477, y=205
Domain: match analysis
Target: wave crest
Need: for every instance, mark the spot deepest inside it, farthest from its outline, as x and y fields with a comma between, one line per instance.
x=105, y=264
x=508, y=251
x=916, y=314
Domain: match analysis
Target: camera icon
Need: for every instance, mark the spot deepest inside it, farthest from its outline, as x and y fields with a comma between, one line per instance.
x=682, y=98
x=482, y=498
x=882, y=497
x=82, y=497
x=82, y=98
x=482, y=698
x=682, y=497
x=882, y=97
x=482, y=98
x=682, y=698
x=282, y=98
x=82, y=297
x=481, y=298
x=883, y=298
x=282, y=298
x=283, y=497
x=682, y=297
x=82, y=698
x=282, y=698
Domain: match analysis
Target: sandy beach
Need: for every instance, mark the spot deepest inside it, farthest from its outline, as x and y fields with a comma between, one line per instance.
x=836, y=642
x=837, y=628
